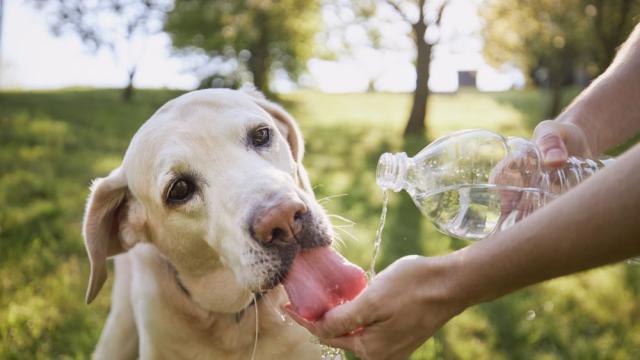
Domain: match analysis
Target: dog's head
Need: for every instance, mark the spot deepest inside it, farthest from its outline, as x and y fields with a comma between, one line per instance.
x=214, y=180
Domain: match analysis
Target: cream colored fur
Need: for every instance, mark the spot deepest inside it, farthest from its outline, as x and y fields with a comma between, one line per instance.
x=204, y=244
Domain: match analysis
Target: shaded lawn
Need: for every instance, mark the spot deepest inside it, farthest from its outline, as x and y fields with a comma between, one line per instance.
x=54, y=143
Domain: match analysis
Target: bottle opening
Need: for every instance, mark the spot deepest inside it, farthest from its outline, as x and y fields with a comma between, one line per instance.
x=390, y=171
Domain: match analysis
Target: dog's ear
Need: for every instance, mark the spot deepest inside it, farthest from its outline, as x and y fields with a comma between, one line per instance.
x=288, y=126
x=104, y=226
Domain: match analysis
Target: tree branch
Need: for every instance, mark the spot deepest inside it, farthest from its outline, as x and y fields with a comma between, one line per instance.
x=398, y=9
x=421, y=4
x=441, y=11
x=420, y=26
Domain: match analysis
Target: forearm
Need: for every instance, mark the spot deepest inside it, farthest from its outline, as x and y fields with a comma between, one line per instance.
x=596, y=223
x=608, y=111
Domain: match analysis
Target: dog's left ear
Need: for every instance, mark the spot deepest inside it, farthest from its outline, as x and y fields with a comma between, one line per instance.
x=288, y=126
x=111, y=226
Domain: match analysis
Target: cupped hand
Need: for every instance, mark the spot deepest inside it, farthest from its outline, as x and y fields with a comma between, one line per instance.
x=558, y=140
x=402, y=307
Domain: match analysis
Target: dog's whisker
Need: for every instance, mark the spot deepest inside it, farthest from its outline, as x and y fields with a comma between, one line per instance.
x=255, y=342
x=338, y=239
x=349, y=234
x=341, y=218
x=328, y=198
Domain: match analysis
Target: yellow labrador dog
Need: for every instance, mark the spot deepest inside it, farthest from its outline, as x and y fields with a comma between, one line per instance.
x=210, y=211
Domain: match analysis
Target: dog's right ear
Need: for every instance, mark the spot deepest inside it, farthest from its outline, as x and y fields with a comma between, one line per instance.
x=289, y=128
x=102, y=227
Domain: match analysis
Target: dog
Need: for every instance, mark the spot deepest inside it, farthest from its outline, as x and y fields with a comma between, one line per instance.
x=204, y=217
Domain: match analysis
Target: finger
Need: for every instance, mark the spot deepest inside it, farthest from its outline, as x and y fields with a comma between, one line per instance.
x=347, y=318
x=299, y=319
x=343, y=342
x=549, y=139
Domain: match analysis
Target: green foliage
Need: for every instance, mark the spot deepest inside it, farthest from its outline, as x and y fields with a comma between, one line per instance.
x=261, y=36
x=54, y=143
x=559, y=36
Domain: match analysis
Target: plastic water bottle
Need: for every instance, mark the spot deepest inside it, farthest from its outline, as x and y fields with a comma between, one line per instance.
x=474, y=183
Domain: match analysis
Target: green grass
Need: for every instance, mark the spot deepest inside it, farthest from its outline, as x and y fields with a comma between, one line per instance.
x=53, y=143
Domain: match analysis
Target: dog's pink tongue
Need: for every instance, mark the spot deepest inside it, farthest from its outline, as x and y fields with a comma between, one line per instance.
x=320, y=279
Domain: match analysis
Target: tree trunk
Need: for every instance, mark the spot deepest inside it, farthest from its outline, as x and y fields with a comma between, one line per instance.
x=418, y=117
x=127, y=92
x=556, y=99
x=259, y=62
x=611, y=34
x=258, y=68
x=561, y=75
x=1, y=53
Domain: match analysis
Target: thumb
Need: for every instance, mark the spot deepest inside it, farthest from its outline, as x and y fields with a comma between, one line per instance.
x=347, y=318
x=549, y=138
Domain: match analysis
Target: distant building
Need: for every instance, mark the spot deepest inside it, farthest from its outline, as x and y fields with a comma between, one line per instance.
x=467, y=78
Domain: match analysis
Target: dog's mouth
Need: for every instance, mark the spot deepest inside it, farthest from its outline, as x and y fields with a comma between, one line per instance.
x=319, y=279
x=315, y=277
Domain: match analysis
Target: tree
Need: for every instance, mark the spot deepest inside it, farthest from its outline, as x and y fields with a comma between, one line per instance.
x=115, y=25
x=258, y=37
x=612, y=21
x=552, y=40
x=1, y=54
x=422, y=21
x=419, y=27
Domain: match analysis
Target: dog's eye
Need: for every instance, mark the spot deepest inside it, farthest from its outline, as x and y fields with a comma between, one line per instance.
x=181, y=190
x=261, y=137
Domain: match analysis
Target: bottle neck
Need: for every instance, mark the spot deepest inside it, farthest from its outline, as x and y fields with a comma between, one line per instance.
x=392, y=171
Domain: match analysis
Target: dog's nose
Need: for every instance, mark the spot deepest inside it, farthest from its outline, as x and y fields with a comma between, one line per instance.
x=279, y=223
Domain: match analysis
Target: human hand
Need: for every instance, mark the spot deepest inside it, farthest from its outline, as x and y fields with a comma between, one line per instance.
x=557, y=140
x=402, y=307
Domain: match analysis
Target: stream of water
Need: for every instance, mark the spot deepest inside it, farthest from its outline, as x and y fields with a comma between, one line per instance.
x=378, y=241
x=329, y=353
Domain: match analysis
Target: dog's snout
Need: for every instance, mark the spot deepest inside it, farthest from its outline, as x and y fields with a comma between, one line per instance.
x=279, y=223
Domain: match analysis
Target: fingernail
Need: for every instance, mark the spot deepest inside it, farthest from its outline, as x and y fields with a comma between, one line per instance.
x=554, y=155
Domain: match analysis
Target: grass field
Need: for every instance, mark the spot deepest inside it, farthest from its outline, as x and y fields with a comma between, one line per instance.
x=53, y=143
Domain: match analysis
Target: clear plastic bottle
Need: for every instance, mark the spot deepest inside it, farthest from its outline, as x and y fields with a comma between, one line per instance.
x=473, y=183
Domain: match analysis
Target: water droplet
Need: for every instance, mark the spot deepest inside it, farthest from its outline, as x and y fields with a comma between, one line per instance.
x=329, y=353
x=531, y=315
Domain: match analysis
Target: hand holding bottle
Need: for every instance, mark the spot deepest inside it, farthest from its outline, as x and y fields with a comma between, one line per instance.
x=474, y=183
x=556, y=142
x=559, y=140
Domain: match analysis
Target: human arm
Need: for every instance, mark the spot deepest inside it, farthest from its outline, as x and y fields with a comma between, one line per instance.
x=594, y=224
x=602, y=116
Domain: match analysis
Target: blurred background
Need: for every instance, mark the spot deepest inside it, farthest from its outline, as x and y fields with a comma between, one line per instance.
x=77, y=78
